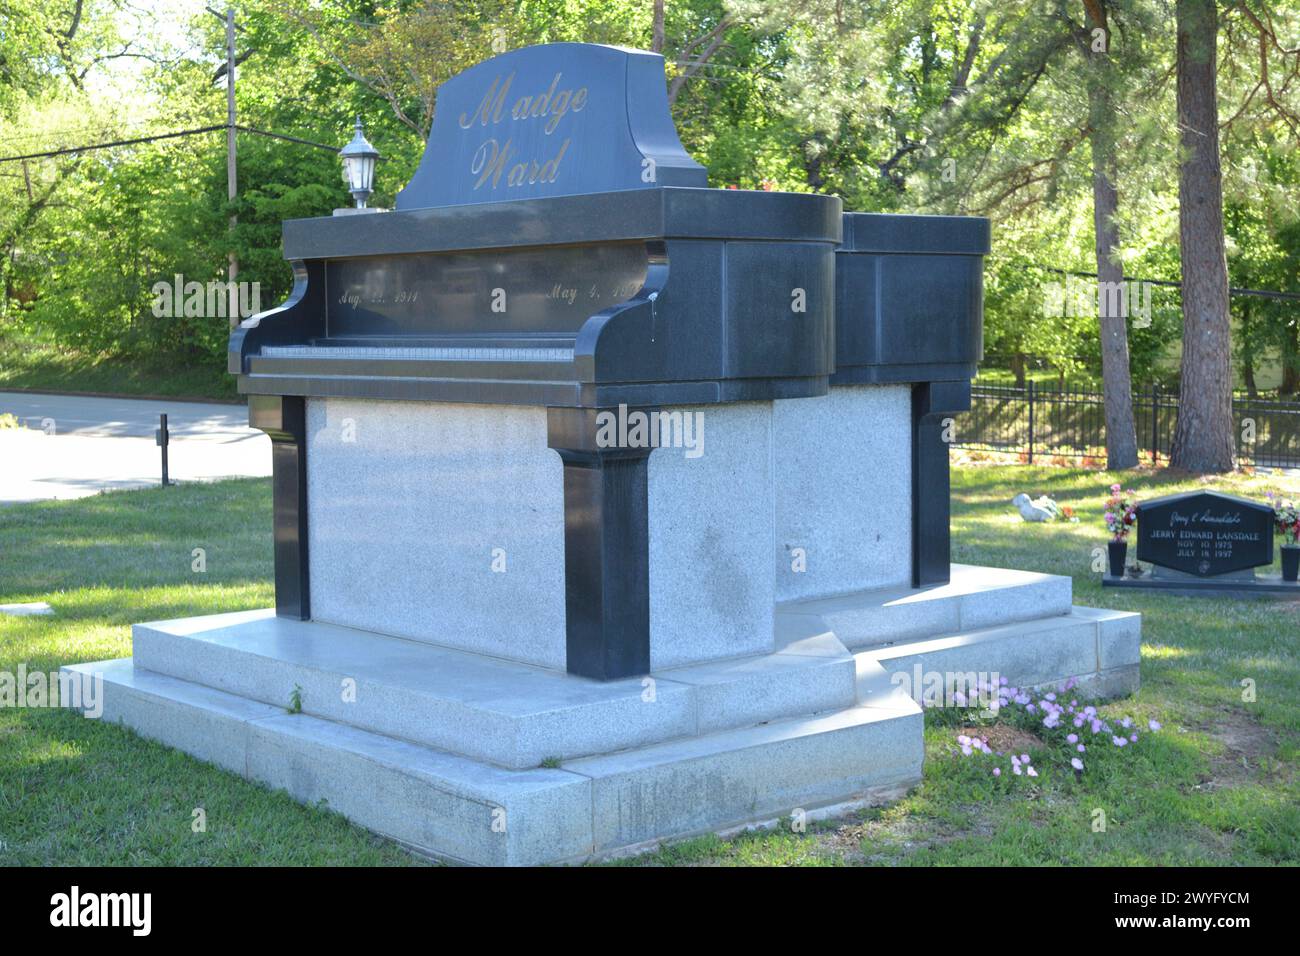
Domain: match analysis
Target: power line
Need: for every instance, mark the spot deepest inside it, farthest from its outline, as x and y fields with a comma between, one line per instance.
x=291, y=139
x=1174, y=284
x=118, y=142
x=159, y=136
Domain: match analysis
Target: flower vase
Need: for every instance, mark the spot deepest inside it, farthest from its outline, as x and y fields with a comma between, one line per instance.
x=1290, y=562
x=1118, y=551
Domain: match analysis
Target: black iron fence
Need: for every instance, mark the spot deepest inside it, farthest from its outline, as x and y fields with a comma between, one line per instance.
x=1037, y=424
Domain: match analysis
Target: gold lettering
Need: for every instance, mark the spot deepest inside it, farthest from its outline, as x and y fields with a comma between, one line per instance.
x=565, y=101
x=489, y=111
x=553, y=165
x=558, y=109
x=491, y=166
x=493, y=159
x=543, y=102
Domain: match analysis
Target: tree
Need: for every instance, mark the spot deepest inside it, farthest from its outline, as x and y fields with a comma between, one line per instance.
x=1203, y=439
x=1117, y=384
x=1037, y=55
x=1258, y=144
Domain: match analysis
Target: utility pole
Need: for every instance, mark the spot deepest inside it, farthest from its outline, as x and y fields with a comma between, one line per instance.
x=232, y=268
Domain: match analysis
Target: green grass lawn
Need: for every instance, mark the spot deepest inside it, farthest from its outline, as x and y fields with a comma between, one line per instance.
x=1216, y=786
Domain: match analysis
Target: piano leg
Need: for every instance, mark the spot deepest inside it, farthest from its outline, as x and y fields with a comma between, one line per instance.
x=606, y=549
x=932, y=402
x=284, y=419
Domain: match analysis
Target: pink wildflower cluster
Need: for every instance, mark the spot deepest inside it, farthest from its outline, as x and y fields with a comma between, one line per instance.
x=1120, y=512
x=1066, y=724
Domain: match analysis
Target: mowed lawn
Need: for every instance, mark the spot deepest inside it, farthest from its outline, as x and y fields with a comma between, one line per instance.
x=1217, y=785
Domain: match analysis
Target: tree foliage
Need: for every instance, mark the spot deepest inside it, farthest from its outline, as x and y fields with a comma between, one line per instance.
x=922, y=106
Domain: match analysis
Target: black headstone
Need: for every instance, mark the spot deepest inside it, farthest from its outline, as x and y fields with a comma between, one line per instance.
x=554, y=120
x=1205, y=533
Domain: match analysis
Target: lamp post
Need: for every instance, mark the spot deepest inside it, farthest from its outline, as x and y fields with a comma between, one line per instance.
x=359, y=166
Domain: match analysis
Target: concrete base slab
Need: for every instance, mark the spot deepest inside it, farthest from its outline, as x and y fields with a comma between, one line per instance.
x=693, y=786
x=1099, y=649
x=504, y=712
x=976, y=597
x=454, y=807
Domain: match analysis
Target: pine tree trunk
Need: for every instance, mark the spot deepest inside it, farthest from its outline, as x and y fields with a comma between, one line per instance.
x=1203, y=437
x=1116, y=383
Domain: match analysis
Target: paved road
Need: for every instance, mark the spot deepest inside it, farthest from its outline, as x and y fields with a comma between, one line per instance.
x=124, y=417
x=75, y=445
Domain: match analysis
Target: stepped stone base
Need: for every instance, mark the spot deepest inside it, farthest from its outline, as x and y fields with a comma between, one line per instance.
x=471, y=811
x=481, y=760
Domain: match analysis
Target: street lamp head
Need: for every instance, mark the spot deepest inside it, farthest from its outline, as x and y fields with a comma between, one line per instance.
x=359, y=166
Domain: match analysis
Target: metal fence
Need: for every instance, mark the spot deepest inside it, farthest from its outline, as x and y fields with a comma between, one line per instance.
x=1035, y=423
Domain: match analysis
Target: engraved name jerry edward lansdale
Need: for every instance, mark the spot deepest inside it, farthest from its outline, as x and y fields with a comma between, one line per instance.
x=493, y=156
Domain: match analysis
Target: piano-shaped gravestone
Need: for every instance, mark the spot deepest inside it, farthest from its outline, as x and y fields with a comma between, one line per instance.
x=462, y=392
x=609, y=507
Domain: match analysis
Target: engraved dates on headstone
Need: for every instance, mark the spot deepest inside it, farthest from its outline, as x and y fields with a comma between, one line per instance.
x=1205, y=533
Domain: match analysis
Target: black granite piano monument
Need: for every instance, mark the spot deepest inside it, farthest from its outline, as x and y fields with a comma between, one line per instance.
x=608, y=506
x=594, y=269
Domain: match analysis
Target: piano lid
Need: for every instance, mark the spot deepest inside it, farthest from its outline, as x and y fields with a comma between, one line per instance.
x=560, y=119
